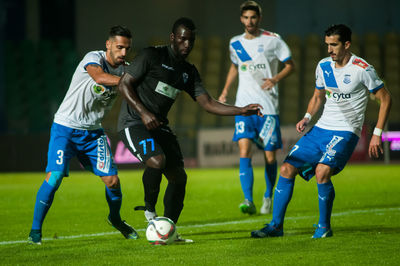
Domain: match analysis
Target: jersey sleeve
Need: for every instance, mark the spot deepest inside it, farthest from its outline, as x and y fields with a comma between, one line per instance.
x=319, y=78
x=232, y=54
x=282, y=50
x=92, y=58
x=197, y=89
x=371, y=80
x=141, y=63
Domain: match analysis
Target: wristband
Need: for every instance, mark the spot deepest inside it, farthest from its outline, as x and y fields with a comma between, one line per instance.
x=308, y=115
x=377, y=132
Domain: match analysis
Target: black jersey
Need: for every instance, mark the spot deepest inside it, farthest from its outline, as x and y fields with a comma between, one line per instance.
x=161, y=78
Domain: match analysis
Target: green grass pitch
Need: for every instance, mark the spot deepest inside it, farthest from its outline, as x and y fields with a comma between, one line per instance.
x=365, y=222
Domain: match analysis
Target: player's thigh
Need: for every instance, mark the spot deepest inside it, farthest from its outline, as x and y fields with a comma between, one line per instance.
x=94, y=152
x=142, y=143
x=170, y=145
x=61, y=149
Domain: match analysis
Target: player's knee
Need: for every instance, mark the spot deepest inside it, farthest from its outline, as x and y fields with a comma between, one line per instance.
x=181, y=177
x=157, y=162
x=55, y=178
x=270, y=157
x=323, y=173
x=270, y=160
x=176, y=175
x=111, y=182
x=288, y=170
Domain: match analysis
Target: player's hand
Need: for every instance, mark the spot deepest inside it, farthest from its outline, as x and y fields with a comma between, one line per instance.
x=268, y=84
x=302, y=124
x=150, y=121
x=252, y=109
x=222, y=98
x=375, y=147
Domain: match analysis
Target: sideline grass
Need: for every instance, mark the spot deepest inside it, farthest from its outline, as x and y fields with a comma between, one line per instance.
x=365, y=222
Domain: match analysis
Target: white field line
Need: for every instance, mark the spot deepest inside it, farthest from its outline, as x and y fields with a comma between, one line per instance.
x=260, y=219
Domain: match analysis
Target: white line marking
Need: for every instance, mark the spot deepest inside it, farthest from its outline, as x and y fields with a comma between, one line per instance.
x=210, y=225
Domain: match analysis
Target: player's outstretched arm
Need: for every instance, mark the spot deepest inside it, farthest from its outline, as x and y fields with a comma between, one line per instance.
x=315, y=103
x=101, y=77
x=126, y=87
x=286, y=70
x=230, y=78
x=375, y=145
x=215, y=107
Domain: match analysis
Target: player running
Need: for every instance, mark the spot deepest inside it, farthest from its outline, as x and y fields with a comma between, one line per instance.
x=152, y=82
x=255, y=56
x=343, y=81
x=77, y=131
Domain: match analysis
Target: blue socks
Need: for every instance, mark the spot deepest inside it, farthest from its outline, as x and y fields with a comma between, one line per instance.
x=326, y=195
x=283, y=194
x=114, y=199
x=270, y=178
x=44, y=199
x=246, y=178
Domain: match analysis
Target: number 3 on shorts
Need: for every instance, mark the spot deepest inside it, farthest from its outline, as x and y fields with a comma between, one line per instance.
x=60, y=154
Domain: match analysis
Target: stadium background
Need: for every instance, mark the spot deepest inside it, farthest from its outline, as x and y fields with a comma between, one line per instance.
x=42, y=41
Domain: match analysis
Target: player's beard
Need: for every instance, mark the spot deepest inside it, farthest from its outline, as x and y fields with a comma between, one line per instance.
x=116, y=59
x=252, y=29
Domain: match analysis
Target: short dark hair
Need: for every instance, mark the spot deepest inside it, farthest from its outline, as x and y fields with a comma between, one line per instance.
x=342, y=30
x=118, y=30
x=250, y=5
x=186, y=22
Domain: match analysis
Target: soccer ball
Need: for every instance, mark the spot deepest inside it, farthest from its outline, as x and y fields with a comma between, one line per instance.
x=161, y=231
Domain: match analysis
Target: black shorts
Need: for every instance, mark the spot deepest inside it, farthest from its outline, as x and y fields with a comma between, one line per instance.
x=144, y=144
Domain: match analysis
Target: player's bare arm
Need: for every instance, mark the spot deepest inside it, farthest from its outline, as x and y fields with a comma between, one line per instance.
x=101, y=77
x=315, y=103
x=215, y=107
x=230, y=78
x=375, y=145
x=286, y=70
x=126, y=88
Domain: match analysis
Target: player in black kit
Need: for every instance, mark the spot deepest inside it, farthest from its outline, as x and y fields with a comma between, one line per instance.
x=149, y=88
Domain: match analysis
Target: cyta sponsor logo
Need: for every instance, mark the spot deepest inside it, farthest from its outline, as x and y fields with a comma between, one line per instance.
x=252, y=67
x=337, y=96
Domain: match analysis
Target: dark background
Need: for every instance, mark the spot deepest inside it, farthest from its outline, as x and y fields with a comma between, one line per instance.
x=42, y=41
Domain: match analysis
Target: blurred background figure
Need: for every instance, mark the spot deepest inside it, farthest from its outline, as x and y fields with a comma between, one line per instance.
x=255, y=56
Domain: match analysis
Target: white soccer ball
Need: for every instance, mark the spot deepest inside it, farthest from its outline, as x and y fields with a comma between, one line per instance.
x=161, y=231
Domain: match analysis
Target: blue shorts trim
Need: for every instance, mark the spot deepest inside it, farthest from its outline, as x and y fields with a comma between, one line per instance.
x=90, y=147
x=330, y=147
x=264, y=131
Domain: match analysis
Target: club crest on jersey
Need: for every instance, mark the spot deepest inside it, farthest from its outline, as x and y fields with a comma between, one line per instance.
x=347, y=79
x=185, y=77
x=98, y=89
x=260, y=48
